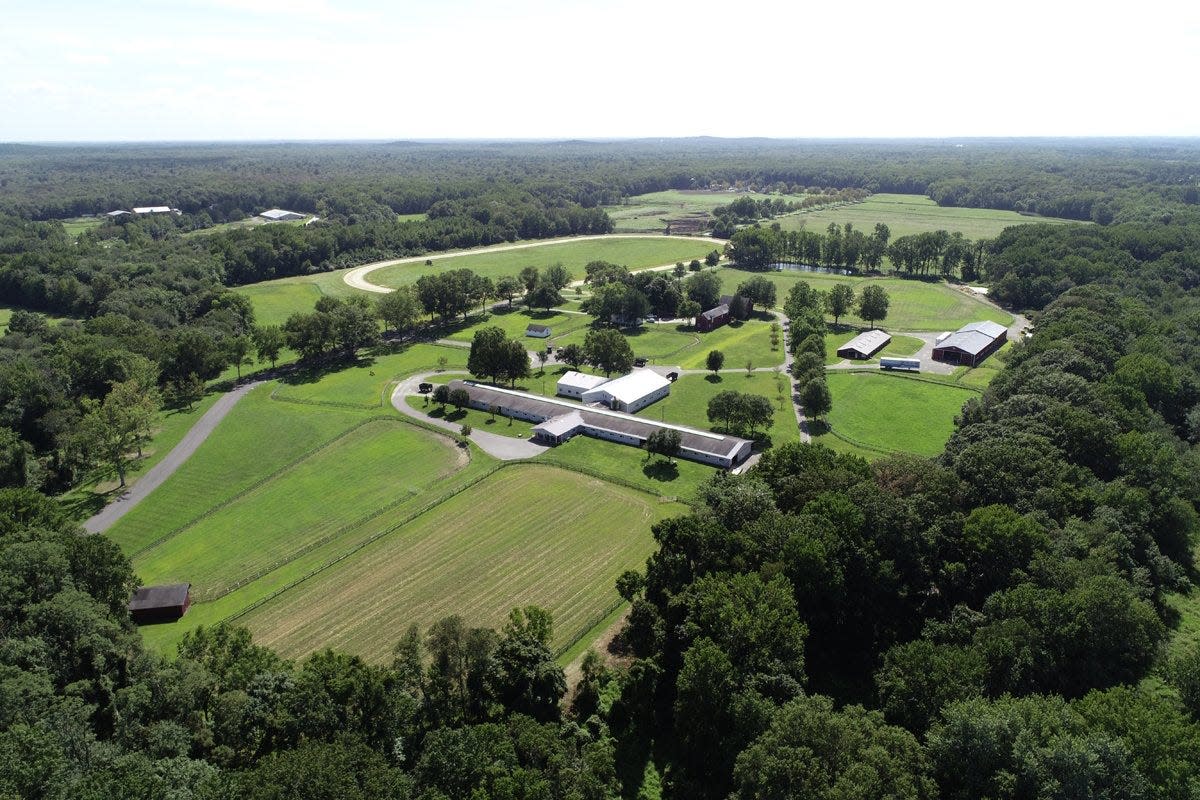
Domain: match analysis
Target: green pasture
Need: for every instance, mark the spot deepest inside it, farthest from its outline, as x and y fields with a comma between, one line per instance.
x=906, y=214
x=6, y=313
x=649, y=212
x=525, y=535
x=639, y=253
x=688, y=402
x=275, y=301
x=410, y=217
x=680, y=480
x=75, y=227
x=915, y=305
x=257, y=438
x=367, y=383
x=514, y=321
x=892, y=413
x=682, y=345
x=362, y=471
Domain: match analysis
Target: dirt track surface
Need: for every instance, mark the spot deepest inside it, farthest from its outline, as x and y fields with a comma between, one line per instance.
x=155, y=476
x=357, y=277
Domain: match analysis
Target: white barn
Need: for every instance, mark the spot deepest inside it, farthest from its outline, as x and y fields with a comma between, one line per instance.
x=574, y=384
x=153, y=210
x=280, y=215
x=631, y=392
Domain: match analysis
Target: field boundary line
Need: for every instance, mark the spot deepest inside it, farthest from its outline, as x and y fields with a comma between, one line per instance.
x=921, y=378
x=275, y=474
x=589, y=625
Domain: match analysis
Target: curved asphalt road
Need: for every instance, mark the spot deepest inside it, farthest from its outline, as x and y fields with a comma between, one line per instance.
x=357, y=277
x=155, y=476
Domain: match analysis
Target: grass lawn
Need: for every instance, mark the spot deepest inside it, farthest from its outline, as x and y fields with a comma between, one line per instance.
x=91, y=496
x=367, y=382
x=361, y=472
x=6, y=313
x=479, y=420
x=979, y=377
x=688, y=402
x=636, y=254
x=649, y=212
x=906, y=214
x=525, y=535
x=739, y=341
x=258, y=437
x=514, y=322
x=892, y=413
x=410, y=217
x=915, y=305
x=629, y=464
x=79, y=225
x=275, y=301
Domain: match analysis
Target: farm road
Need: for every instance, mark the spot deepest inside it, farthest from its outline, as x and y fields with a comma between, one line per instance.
x=357, y=277
x=180, y=453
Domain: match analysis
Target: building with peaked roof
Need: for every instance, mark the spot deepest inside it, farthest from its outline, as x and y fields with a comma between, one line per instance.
x=280, y=215
x=537, y=331
x=631, y=392
x=739, y=307
x=118, y=213
x=865, y=345
x=971, y=343
x=165, y=603
x=559, y=420
x=574, y=384
x=713, y=318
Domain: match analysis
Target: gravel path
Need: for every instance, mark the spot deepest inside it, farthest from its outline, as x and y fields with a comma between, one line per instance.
x=357, y=277
x=505, y=448
x=155, y=476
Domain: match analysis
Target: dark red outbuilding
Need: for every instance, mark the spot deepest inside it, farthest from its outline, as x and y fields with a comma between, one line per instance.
x=165, y=603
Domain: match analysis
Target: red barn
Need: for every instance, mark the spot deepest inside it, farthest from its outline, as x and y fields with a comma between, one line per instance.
x=165, y=603
x=713, y=318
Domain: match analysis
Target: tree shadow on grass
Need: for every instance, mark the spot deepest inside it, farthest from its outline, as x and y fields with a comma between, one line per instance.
x=659, y=470
x=311, y=373
x=447, y=414
x=712, y=378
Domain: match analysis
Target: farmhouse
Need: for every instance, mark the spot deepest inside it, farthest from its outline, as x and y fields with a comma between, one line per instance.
x=631, y=392
x=280, y=215
x=559, y=420
x=713, y=318
x=538, y=331
x=971, y=344
x=165, y=603
x=865, y=345
x=574, y=384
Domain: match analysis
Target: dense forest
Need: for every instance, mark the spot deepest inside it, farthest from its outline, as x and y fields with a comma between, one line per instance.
x=987, y=624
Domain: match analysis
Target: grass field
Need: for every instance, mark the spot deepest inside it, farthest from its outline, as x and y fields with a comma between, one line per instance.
x=649, y=212
x=688, y=402
x=258, y=437
x=906, y=214
x=367, y=383
x=79, y=225
x=681, y=345
x=915, y=305
x=892, y=413
x=526, y=535
x=368, y=468
x=6, y=313
x=633, y=253
x=513, y=322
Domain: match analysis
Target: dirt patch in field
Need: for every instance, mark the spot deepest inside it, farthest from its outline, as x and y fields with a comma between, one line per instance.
x=607, y=646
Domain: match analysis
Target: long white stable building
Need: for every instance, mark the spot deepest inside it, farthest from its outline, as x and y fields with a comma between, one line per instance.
x=559, y=420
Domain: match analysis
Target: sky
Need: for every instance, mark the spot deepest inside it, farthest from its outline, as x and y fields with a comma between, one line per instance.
x=309, y=69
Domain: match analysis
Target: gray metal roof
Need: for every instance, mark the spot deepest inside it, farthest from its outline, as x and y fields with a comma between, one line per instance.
x=973, y=338
x=171, y=595
x=617, y=421
x=716, y=311
x=867, y=342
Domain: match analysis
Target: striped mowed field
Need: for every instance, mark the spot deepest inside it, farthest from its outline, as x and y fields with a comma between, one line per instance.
x=527, y=534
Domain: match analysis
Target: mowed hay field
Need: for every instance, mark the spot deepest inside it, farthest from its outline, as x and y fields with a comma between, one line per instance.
x=891, y=413
x=525, y=535
x=915, y=305
x=372, y=466
x=649, y=212
x=906, y=214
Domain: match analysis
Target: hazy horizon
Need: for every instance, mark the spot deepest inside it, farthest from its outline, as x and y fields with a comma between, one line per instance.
x=539, y=70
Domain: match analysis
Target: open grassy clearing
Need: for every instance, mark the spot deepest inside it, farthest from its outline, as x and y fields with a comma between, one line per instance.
x=367, y=382
x=906, y=214
x=649, y=212
x=893, y=413
x=275, y=301
x=915, y=305
x=629, y=464
x=526, y=535
x=633, y=253
x=513, y=322
x=368, y=468
x=672, y=344
x=74, y=227
x=410, y=217
x=6, y=313
x=688, y=402
x=258, y=437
